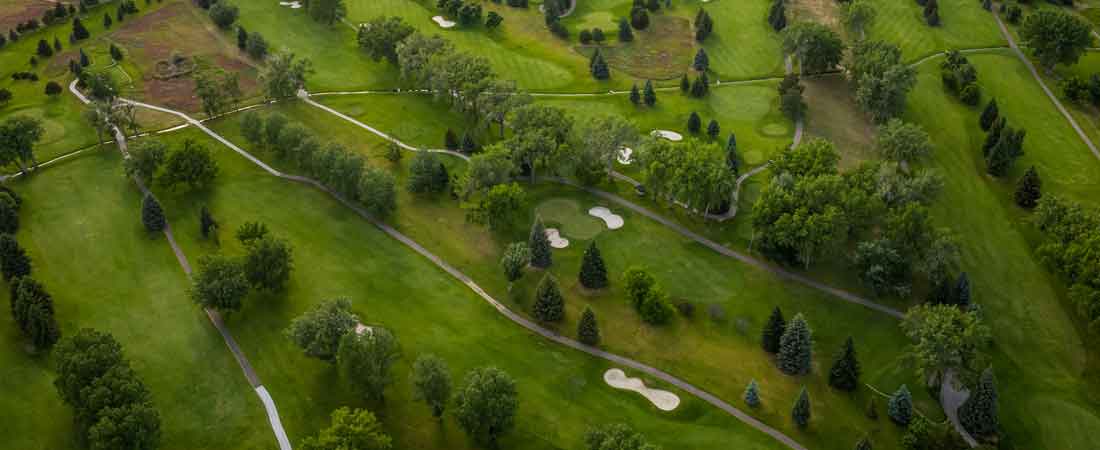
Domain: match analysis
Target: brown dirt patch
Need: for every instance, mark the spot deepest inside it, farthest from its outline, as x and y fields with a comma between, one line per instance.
x=15, y=12
x=825, y=12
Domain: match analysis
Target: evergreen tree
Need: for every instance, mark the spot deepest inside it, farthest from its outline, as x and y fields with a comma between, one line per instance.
x=713, y=129
x=116, y=53
x=44, y=49
x=515, y=259
x=450, y=140
x=600, y=71
x=801, y=411
x=694, y=122
x=962, y=290
x=989, y=114
x=549, y=304
x=978, y=414
x=699, y=87
x=588, y=331
x=796, y=347
x=863, y=444
x=539, y=245
x=635, y=96
x=900, y=407
x=649, y=95
x=14, y=262
x=152, y=216
x=41, y=325
x=702, y=62
x=844, y=374
x=777, y=15
x=107, y=20
x=242, y=38
x=639, y=18
x=773, y=331
x=84, y=61
x=1029, y=189
x=625, y=33
x=685, y=84
x=593, y=272
x=79, y=32
x=56, y=44
x=207, y=224
x=752, y=394
x=469, y=145
x=732, y=159
x=993, y=135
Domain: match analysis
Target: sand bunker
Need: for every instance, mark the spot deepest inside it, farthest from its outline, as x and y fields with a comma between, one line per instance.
x=443, y=23
x=555, y=238
x=614, y=221
x=625, y=155
x=663, y=400
x=361, y=329
x=292, y=5
x=670, y=135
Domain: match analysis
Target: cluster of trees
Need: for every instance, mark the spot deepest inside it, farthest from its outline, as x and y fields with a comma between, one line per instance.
x=817, y=47
x=691, y=173
x=18, y=136
x=858, y=15
x=124, y=8
x=698, y=88
x=31, y=306
x=639, y=13
x=112, y=407
x=326, y=11
x=58, y=13
x=647, y=296
x=218, y=90
x=1071, y=247
x=223, y=14
x=703, y=24
x=882, y=81
x=191, y=166
x=252, y=43
x=777, y=15
x=350, y=429
x=341, y=170
x=947, y=339
x=284, y=75
x=960, y=78
x=1078, y=90
x=552, y=11
x=790, y=97
x=1003, y=144
x=615, y=437
x=468, y=14
x=792, y=343
x=647, y=95
x=931, y=12
x=1055, y=36
x=223, y=281
x=588, y=36
x=1012, y=12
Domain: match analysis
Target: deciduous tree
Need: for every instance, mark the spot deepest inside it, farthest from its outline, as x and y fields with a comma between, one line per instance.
x=432, y=383
x=220, y=283
x=356, y=429
x=365, y=361
x=486, y=405
x=318, y=331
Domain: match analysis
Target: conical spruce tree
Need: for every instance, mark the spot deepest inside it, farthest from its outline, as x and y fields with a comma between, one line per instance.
x=152, y=216
x=989, y=115
x=1029, y=189
x=752, y=394
x=713, y=129
x=993, y=135
x=685, y=84
x=702, y=61
x=962, y=290
x=796, y=347
x=588, y=331
x=978, y=414
x=549, y=304
x=649, y=95
x=732, y=158
x=773, y=331
x=592, y=59
x=801, y=411
x=844, y=374
x=14, y=262
x=593, y=271
x=635, y=96
x=863, y=444
x=600, y=71
x=42, y=326
x=539, y=246
x=900, y=408
x=694, y=122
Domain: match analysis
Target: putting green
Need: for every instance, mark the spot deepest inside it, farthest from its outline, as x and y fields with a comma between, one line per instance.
x=568, y=216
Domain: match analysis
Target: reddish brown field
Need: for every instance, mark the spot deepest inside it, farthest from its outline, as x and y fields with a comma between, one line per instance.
x=14, y=12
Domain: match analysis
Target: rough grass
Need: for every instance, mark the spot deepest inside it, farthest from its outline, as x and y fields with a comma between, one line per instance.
x=82, y=230
x=665, y=50
x=832, y=114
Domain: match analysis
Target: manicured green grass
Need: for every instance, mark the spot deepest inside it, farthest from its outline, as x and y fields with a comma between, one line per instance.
x=81, y=227
x=743, y=45
x=568, y=216
x=964, y=24
x=722, y=355
x=1040, y=351
x=415, y=119
x=337, y=253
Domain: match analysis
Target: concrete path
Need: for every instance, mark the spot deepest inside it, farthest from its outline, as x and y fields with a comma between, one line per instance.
x=952, y=397
x=215, y=318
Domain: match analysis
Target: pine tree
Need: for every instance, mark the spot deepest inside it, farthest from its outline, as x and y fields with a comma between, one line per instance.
x=56, y=44
x=900, y=407
x=978, y=414
x=242, y=38
x=701, y=62
x=844, y=374
x=79, y=32
x=206, y=222
x=649, y=95
x=777, y=15
x=752, y=394
x=989, y=114
x=600, y=71
x=635, y=96
x=539, y=246
x=469, y=145
x=713, y=129
x=549, y=304
x=84, y=61
x=773, y=331
x=41, y=325
x=588, y=331
x=592, y=59
x=993, y=136
x=685, y=84
x=801, y=411
x=962, y=290
x=732, y=159
x=44, y=49
x=107, y=20
x=625, y=33
x=593, y=272
x=796, y=347
x=694, y=122
x=450, y=140
x=699, y=86
x=152, y=216
x=1029, y=189
x=863, y=444
x=14, y=262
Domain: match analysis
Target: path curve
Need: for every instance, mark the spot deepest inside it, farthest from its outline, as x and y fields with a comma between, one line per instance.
x=215, y=318
x=500, y=307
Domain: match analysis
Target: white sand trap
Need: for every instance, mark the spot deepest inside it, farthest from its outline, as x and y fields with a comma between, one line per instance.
x=625, y=155
x=663, y=400
x=670, y=135
x=361, y=329
x=292, y=5
x=443, y=23
x=555, y=238
x=614, y=221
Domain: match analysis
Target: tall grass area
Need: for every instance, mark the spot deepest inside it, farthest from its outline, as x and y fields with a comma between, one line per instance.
x=1047, y=383
x=81, y=227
